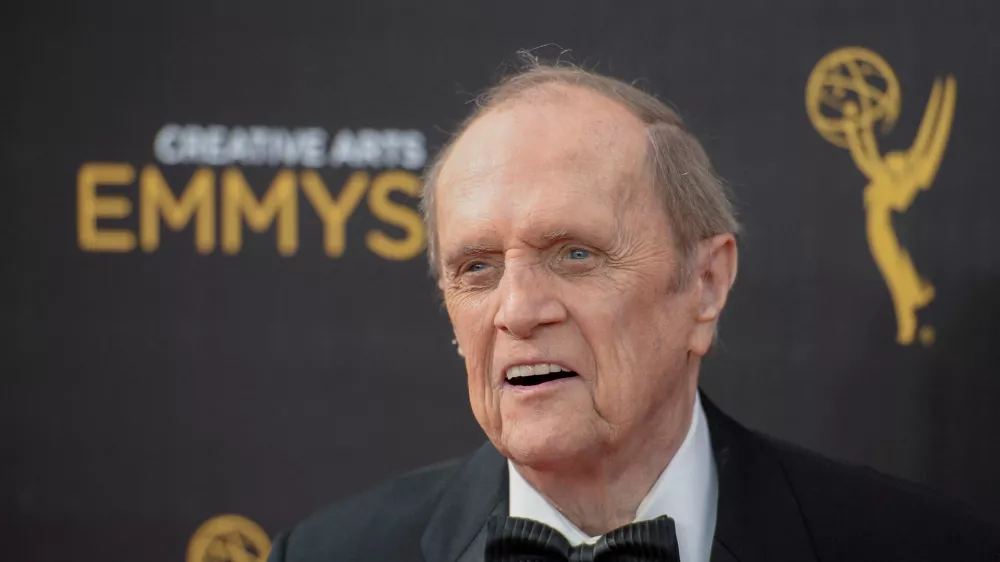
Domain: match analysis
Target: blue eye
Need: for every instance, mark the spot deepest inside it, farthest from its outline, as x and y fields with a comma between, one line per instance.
x=476, y=267
x=578, y=254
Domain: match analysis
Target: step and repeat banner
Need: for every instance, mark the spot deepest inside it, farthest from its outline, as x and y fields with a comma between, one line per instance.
x=219, y=312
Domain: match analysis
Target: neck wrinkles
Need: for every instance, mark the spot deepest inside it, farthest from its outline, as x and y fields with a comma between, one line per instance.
x=607, y=494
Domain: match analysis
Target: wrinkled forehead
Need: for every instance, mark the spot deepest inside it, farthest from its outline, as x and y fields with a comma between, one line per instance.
x=558, y=131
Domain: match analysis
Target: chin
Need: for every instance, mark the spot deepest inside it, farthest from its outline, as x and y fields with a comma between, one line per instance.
x=548, y=450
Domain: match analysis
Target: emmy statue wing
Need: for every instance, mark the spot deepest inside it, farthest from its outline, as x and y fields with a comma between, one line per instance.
x=929, y=122
x=928, y=149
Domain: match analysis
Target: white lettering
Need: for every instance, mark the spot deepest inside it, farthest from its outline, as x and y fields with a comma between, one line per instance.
x=238, y=147
x=309, y=147
x=414, y=149
x=211, y=145
x=312, y=144
x=165, y=144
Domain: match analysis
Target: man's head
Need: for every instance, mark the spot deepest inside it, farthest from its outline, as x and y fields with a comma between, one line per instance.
x=574, y=222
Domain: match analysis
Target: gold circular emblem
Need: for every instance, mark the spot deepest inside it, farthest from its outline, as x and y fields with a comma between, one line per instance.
x=229, y=538
x=852, y=87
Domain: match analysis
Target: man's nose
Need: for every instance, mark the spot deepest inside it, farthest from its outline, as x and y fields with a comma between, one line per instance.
x=528, y=301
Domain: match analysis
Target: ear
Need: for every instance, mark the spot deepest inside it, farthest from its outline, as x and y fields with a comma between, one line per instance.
x=715, y=272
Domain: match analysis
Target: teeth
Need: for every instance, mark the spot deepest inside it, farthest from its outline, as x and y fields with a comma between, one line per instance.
x=529, y=370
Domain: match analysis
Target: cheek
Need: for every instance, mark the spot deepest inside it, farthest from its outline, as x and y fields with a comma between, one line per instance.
x=467, y=317
x=622, y=329
x=637, y=341
x=475, y=334
x=473, y=327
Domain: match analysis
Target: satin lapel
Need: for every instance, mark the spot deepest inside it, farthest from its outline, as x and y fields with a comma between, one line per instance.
x=476, y=551
x=758, y=514
x=470, y=498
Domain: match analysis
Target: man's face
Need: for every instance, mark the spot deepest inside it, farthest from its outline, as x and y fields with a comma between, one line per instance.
x=555, y=250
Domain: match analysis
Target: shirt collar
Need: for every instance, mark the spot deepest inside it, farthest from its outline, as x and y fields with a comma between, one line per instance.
x=687, y=490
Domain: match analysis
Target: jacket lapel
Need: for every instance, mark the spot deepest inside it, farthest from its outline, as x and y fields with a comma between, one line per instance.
x=758, y=514
x=476, y=492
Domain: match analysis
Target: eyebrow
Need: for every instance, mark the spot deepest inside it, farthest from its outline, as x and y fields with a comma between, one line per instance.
x=469, y=250
x=545, y=239
x=556, y=235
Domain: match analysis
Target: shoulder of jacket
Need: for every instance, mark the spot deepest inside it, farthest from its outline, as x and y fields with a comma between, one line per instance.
x=384, y=519
x=853, y=512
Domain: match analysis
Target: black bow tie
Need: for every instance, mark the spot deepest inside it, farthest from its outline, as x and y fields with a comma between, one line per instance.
x=514, y=539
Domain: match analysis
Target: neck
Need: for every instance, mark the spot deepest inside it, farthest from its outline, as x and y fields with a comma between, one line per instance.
x=604, y=494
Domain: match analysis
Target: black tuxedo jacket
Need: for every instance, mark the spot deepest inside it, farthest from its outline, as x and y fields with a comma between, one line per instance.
x=776, y=503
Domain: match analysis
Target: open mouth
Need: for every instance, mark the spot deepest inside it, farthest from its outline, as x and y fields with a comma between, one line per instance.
x=535, y=379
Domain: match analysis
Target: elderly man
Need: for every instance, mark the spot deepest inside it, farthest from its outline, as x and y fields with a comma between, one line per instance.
x=585, y=250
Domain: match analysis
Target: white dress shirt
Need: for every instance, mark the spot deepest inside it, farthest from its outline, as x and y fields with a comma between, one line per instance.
x=687, y=491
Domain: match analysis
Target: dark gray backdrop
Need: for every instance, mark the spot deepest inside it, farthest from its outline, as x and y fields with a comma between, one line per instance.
x=145, y=393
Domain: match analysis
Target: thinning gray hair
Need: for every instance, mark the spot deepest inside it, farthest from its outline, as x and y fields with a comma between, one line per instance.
x=696, y=202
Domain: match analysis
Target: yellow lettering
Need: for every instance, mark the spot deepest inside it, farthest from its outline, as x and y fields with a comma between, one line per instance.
x=279, y=205
x=334, y=212
x=90, y=207
x=393, y=213
x=156, y=199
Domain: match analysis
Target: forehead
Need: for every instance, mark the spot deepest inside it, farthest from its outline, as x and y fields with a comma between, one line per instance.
x=553, y=146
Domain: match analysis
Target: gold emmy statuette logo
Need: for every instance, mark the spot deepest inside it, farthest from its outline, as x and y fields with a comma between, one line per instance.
x=229, y=538
x=851, y=92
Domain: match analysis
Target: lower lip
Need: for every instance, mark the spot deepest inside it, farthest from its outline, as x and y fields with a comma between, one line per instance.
x=535, y=388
